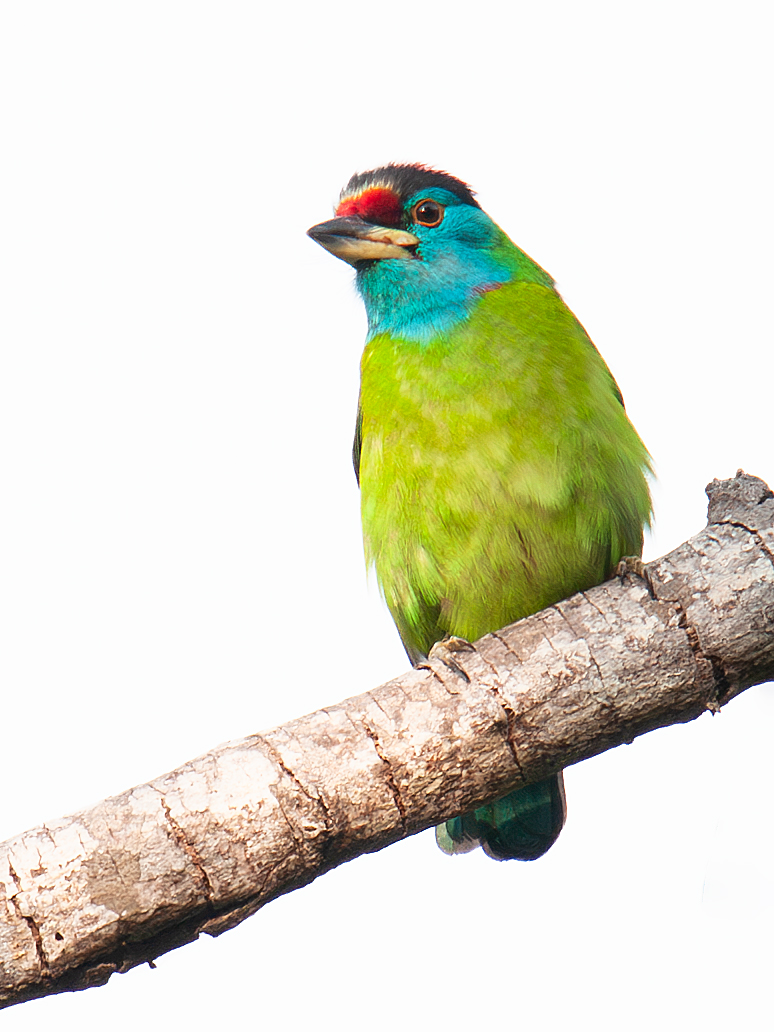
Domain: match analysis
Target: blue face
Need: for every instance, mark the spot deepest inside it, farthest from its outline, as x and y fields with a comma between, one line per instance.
x=457, y=260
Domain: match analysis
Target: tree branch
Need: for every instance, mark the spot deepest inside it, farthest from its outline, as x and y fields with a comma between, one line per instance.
x=202, y=848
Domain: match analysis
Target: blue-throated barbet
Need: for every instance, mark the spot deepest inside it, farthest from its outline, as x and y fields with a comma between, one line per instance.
x=498, y=470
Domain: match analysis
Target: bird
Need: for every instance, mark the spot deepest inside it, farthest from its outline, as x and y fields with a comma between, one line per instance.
x=498, y=469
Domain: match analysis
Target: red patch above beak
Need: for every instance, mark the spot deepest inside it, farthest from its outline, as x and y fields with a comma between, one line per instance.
x=378, y=204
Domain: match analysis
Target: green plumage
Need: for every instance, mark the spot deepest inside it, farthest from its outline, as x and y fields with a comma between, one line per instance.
x=499, y=472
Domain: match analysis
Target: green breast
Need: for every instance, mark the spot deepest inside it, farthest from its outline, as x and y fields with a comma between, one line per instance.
x=499, y=472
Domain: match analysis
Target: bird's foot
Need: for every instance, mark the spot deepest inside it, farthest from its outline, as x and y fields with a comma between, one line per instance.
x=633, y=566
x=444, y=651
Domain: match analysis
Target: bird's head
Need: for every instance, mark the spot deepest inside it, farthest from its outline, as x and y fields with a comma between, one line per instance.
x=423, y=249
x=397, y=213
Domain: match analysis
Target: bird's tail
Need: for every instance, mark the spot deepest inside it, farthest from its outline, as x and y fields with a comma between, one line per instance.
x=521, y=826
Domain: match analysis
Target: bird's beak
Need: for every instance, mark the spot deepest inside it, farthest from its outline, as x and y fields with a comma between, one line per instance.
x=354, y=240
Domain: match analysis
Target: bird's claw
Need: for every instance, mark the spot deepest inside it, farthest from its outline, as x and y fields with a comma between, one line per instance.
x=453, y=644
x=443, y=651
x=633, y=566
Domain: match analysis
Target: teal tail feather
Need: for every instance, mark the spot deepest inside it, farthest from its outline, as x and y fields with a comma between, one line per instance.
x=521, y=826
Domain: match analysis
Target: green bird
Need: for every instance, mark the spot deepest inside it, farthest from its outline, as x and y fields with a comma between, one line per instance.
x=498, y=470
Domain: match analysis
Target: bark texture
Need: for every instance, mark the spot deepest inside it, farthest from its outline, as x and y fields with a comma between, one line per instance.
x=206, y=845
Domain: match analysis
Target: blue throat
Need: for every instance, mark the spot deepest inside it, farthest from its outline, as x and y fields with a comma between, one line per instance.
x=420, y=307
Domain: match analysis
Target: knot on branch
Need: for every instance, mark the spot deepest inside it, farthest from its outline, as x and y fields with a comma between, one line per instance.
x=744, y=500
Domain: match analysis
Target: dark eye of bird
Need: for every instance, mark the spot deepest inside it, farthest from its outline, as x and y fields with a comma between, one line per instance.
x=428, y=213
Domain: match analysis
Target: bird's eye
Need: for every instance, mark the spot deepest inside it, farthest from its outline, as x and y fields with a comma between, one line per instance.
x=428, y=213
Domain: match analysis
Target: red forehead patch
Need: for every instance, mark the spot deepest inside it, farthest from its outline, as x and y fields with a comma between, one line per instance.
x=377, y=204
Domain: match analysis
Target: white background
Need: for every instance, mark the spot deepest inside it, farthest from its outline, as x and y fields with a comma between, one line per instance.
x=179, y=531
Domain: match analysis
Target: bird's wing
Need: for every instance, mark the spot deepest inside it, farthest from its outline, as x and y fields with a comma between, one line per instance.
x=357, y=444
